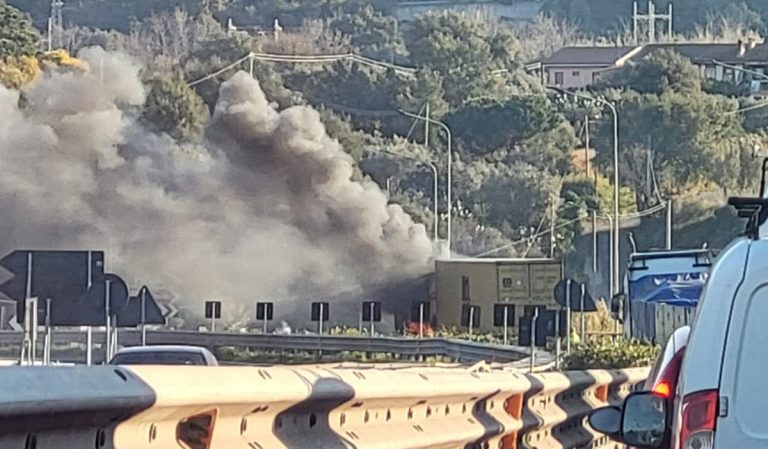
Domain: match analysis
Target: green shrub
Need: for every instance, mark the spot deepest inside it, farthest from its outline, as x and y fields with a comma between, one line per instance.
x=610, y=355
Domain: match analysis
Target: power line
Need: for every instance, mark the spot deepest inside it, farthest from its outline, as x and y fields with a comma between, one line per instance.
x=219, y=72
x=631, y=216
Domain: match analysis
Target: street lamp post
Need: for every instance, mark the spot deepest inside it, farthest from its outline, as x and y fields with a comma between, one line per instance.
x=450, y=164
x=617, y=224
x=434, y=185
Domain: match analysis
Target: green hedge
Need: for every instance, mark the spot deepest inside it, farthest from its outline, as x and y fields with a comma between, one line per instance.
x=610, y=355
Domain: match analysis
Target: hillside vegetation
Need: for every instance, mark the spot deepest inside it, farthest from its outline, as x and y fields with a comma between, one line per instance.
x=513, y=141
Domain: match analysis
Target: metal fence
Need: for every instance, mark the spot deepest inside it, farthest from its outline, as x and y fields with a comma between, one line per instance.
x=460, y=350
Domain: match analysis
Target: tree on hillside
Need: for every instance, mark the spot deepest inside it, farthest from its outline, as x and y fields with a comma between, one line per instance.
x=739, y=14
x=486, y=125
x=425, y=87
x=662, y=71
x=350, y=85
x=373, y=33
x=464, y=50
x=172, y=36
x=174, y=108
x=591, y=15
x=499, y=193
x=17, y=36
x=548, y=151
x=680, y=135
x=16, y=72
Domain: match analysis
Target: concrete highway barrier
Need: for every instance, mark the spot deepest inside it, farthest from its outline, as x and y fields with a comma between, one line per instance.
x=317, y=407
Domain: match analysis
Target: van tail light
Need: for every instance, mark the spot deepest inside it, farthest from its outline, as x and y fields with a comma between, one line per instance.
x=698, y=421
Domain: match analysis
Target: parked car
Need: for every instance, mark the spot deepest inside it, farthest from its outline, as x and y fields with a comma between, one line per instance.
x=720, y=396
x=164, y=355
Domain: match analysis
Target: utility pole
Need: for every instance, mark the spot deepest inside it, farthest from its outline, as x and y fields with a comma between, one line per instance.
x=56, y=25
x=650, y=19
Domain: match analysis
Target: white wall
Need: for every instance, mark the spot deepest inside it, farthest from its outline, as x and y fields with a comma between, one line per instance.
x=573, y=77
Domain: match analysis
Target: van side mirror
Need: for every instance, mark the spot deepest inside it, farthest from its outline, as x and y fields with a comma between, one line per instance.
x=644, y=420
x=606, y=420
x=617, y=306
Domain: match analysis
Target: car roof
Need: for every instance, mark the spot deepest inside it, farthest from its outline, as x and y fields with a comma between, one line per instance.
x=162, y=348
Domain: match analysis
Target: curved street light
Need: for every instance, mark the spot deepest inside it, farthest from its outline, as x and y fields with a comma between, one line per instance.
x=450, y=163
x=617, y=226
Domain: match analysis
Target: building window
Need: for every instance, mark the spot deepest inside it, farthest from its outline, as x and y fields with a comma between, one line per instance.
x=506, y=282
x=465, y=289
x=559, y=78
x=575, y=73
x=595, y=77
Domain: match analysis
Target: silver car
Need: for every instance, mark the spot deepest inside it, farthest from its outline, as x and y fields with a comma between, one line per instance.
x=164, y=355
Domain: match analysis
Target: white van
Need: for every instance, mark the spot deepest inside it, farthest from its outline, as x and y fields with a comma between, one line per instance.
x=721, y=400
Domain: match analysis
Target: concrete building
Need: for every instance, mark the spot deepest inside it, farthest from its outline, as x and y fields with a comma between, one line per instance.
x=580, y=67
x=480, y=290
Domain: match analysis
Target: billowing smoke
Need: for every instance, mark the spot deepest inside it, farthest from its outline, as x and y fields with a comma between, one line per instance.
x=264, y=209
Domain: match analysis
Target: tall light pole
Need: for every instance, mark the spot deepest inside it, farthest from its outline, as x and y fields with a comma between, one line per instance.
x=434, y=184
x=617, y=224
x=450, y=164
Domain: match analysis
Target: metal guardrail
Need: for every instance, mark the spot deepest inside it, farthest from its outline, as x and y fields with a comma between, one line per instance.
x=303, y=407
x=465, y=351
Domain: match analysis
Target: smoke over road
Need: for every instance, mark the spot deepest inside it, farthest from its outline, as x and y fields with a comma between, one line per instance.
x=264, y=208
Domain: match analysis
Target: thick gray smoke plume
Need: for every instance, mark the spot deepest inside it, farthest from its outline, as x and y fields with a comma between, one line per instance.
x=265, y=209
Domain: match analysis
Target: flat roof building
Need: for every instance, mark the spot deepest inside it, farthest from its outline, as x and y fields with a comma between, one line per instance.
x=481, y=289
